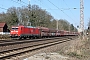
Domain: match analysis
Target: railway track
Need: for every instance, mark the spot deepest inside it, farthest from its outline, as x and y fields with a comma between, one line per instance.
x=13, y=49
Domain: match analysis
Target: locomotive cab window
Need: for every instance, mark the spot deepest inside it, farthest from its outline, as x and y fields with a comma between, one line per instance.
x=14, y=28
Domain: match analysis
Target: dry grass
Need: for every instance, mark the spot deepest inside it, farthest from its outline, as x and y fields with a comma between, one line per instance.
x=79, y=49
x=4, y=36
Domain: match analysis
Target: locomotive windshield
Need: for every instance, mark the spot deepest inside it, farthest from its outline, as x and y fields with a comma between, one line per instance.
x=14, y=28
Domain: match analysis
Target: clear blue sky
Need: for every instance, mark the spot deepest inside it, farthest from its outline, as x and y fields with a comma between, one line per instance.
x=71, y=15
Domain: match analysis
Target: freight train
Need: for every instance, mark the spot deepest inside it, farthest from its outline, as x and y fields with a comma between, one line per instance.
x=37, y=32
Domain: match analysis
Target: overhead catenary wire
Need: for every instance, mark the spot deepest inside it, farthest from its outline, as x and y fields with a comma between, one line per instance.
x=55, y=19
x=20, y=19
x=16, y=2
x=23, y=2
x=40, y=3
x=13, y=1
x=69, y=9
x=3, y=8
x=59, y=9
x=50, y=8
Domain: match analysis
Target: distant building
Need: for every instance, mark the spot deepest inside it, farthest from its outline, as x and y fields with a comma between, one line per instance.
x=4, y=28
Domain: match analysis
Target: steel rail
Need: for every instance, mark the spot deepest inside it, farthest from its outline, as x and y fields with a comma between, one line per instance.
x=40, y=44
x=36, y=47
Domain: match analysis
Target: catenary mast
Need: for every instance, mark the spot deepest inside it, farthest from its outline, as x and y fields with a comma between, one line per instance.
x=82, y=15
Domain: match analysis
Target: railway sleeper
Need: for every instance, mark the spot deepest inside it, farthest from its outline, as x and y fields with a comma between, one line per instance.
x=33, y=48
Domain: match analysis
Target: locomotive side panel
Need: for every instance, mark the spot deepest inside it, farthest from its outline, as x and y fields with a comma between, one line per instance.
x=24, y=32
x=37, y=32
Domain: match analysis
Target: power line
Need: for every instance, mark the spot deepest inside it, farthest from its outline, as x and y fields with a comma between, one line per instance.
x=35, y=1
x=45, y=5
x=59, y=9
x=24, y=2
x=19, y=0
x=56, y=14
x=69, y=8
x=3, y=8
x=16, y=2
x=49, y=8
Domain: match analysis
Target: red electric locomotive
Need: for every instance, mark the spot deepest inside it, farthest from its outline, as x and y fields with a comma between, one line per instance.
x=24, y=32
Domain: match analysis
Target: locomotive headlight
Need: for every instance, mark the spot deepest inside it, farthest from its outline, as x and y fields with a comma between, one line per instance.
x=11, y=31
x=16, y=31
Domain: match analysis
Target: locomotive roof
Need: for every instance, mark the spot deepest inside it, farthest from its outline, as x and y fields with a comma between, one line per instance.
x=14, y=26
x=30, y=26
x=42, y=27
x=23, y=26
x=17, y=26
